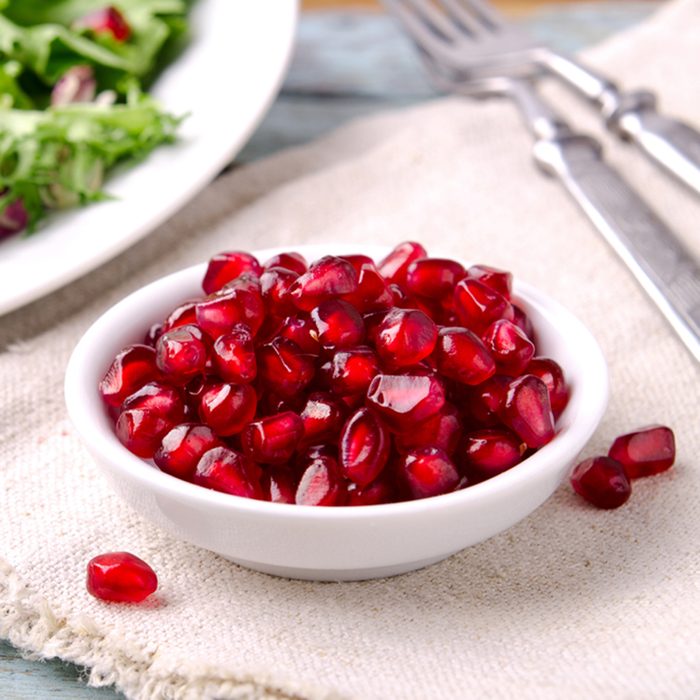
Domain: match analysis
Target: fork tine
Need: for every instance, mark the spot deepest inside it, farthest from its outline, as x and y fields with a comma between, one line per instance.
x=435, y=44
x=484, y=10
x=432, y=15
x=462, y=17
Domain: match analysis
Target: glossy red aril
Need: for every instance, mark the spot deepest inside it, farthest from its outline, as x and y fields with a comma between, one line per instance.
x=159, y=398
x=498, y=280
x=405, y=400
x=509, y=347
x=183, y=447
x=405, y=337
x=322, y=417
x=645, y=452
x=553, y=376
x=181, y=316
x=295, y=262
x=352, y=371
x=152, y=335
x=433, y=277
x=226, y=470
x=273, y=439
x=233, y=355
x=358, y=261
x=338, y=324
x=526, y=410
x=486, y=453
x=225, y=267
x=372, y=290
x=461, y=355
x=107, y=20
x=483, y=403
x=394, y=266
x=443, y=430
x=283, y=368
x=302, y=331
x=379, y=491
x=478, y=306
x=227, y=408
x=130, y=370
x=279, y=485
x=120, y=577
x=238, y=302
x=364, y=446
x=601, y=481
x=141, y=431
x=274, y=287
x=522, y=321
x=181, y=353
x=428, y=471
x=326, y=278
x=320, y=484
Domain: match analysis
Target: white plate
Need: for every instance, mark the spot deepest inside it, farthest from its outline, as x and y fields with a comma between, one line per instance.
x=226, y=79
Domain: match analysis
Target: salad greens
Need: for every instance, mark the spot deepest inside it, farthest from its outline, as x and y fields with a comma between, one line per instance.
x=72, y=96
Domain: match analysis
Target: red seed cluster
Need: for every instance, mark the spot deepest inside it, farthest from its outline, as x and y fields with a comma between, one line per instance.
x=606, y=481
x=340, y=382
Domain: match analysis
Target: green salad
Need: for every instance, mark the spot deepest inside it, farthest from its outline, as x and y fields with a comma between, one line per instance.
x=73, y=100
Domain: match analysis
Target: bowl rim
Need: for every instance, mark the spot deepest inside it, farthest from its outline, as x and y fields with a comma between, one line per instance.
x=86, y=412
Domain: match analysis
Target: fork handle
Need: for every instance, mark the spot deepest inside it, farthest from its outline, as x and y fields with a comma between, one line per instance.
x=661, y=264
x=633, y=116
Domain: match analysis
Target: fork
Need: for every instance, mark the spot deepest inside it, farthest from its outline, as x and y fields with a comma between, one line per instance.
x=660, y=263
x=472, y=38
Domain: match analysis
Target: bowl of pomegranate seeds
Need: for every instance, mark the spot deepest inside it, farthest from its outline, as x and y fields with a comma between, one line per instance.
x=322, y=414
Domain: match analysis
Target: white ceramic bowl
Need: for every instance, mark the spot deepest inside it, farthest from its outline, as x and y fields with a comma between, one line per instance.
x=344, y=543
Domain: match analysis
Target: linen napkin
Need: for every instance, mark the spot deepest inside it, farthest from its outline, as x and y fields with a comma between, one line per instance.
x=571, y=603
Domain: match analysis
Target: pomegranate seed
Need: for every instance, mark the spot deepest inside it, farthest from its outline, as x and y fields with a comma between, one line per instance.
x=227, y=408
x=152, y=335
x=482, y=404
x=320, y=484
x=526, y=410
x=379, y=491
x=351, y=371
x=509, y=346
x=183, y=447
x=498, y=280
x=601, y=481
x=295, y=262
x=338, y=324
x=358, y=261
x=239, y=301
x=405, y=400
x=279, y=485
x=183, y=315
x=443, y=430
x=364, y=447
x=130, y=370
x=326, y=278
x=181, y=353
x=283, y=368
x=120, y=577
x=394, y=266
x=433, y=277
x=225, y=267
x=322, y=417
x=226, y=470
x=233, y=355
x=141, y=431
x=161, y=399
x=462, y=356
x=106, y=20
x=522, y=321
x=301, y=330
x=314, y=452
x=478, y=306
x=553, y=376
x=372, y=291
x=405, y=337
x=274, y=286
x=645, y=452
x=428, y=471
x=273, y=439
x=486, y=453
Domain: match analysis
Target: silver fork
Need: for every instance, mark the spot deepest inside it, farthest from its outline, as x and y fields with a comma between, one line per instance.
x=472, y=38
x=661, y=264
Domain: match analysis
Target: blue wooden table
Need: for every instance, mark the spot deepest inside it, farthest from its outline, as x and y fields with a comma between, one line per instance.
x=330, y=82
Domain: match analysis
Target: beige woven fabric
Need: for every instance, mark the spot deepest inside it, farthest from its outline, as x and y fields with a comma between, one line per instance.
x=571, y=603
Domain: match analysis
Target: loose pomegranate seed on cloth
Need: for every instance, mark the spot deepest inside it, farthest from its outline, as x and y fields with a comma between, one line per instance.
x=120, y=577
x=343, y=381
